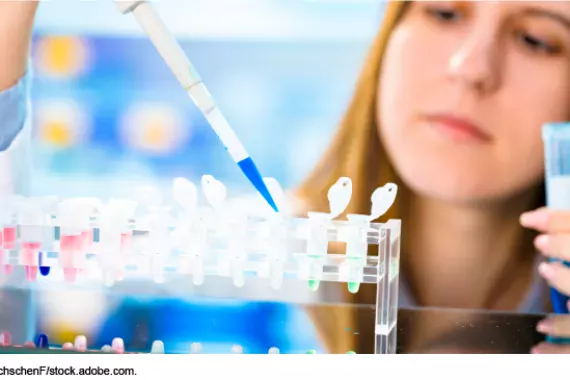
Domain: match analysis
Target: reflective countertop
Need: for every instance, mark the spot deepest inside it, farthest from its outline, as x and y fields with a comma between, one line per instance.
x=449, y=331
x=454, y=331
x=257, y=325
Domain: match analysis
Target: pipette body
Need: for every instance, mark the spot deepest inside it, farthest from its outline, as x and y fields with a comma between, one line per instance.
x=184, y=71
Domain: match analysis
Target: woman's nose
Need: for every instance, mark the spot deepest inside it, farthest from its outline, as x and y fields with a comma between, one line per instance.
x=475, y=63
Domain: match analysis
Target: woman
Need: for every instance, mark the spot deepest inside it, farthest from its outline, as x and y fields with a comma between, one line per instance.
x=16, y=21
x=450, y=106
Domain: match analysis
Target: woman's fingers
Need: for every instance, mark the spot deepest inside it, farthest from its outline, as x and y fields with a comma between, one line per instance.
x=556, y=246
x=546, y=220
x=549, y=348
x=557, y=276
x=555, y=325
x=536, y=219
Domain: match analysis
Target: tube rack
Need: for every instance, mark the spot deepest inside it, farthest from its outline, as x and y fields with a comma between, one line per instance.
x=84, y=241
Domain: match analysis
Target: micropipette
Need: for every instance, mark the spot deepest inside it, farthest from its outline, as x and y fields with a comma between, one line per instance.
x=184, y=71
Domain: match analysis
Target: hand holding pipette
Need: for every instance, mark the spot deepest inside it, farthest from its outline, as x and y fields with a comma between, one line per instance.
x=184, y=71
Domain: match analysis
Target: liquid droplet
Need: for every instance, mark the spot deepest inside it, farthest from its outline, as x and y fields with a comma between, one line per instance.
x=314, y=285
x=353, y=287
x=351, y=353
x=311, y=352
x=273, y=351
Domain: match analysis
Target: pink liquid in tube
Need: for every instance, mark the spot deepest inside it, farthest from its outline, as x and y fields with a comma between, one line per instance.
x=86, y=240
x=6, y=269
x=69, y=247
x=9, y=238
x=29, y=256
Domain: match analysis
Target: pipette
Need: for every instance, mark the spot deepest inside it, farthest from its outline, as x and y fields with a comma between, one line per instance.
x=184, y=71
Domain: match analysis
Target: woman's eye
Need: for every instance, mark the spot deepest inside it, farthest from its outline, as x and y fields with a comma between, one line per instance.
x=536, y=44
x=444, y=14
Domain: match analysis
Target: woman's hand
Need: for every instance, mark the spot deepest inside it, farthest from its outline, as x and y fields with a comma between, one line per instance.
x=553, y=242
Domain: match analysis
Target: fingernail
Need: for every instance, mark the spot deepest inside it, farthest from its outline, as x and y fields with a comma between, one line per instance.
x=544, y=326
x=534, y=218
x=546, y=270
x=542, y=242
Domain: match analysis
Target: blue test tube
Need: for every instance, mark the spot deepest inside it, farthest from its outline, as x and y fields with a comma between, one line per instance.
x=556, y=138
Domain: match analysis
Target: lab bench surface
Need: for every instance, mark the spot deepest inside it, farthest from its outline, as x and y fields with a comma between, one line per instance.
x=456, y=331
x=453, y=331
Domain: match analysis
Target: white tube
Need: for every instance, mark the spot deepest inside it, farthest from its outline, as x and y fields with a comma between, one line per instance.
x=166, y=44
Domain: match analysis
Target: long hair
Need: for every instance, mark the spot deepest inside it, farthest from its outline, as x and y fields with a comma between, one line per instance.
x=355, y=152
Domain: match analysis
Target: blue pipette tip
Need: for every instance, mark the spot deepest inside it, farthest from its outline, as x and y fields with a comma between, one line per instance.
x=250, y=170
x=42, y=341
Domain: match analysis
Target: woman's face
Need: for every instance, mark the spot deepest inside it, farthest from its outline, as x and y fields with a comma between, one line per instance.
x=464, y=90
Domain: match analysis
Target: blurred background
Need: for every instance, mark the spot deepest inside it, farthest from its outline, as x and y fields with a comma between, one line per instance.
x=107, y=107
x=109, y=115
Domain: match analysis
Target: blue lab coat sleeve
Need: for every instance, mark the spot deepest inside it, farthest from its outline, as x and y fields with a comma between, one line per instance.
x=17, y=312
x=15, y=138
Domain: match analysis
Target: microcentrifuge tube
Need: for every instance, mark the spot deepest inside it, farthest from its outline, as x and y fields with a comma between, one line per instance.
x=5, y=339
x=106, y=348
x=42, y=341
x=80, y=343
x=118, y=345
x=237, y=349
x=317, y=247
x=44, y=270
x=197, y=271
x=353, y=287
x=276, y=274
x=314, y=285
x=195, y=348
x=356, y=249
x=157, y=347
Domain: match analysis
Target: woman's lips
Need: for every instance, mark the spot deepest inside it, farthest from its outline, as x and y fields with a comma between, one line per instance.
x=458, y=129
